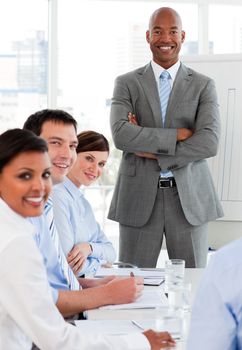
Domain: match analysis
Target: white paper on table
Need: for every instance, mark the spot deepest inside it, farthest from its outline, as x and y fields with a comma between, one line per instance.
x=148, y=300
x=173, y=325
x=125, y=272
x=107, y=326
x=153, y=281
x=118, y=327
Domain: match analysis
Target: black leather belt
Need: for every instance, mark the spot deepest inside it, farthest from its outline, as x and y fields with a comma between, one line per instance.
x=166, y=182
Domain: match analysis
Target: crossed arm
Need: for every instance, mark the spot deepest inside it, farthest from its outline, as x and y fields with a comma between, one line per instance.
x=182, y=135
x=172, y=147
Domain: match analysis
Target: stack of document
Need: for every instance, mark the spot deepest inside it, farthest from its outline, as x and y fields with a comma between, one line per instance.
x=148, y=300
x=114, y=327
x=119, y=327
x=152, y=277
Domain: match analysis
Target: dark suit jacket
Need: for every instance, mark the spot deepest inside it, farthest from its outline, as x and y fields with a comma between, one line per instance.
x=192, y=104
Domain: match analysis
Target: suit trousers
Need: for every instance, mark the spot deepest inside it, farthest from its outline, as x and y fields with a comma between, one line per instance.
x=141, y=245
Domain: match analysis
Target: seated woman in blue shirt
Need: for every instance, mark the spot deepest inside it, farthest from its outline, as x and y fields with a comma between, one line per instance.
x=83, y=242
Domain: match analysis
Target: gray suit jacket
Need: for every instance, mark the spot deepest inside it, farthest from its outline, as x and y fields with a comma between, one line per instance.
x=192, y=104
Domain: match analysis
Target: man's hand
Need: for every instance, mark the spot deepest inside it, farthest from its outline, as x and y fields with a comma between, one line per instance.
x=183, y=134
x=159, y=340
x=78, y=255
x=107, y=265
x=124, y=290
x=111, y=291
x=132, y=119
x=146, y=155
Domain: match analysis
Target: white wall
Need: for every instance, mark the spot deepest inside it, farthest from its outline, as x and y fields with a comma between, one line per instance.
x=226, y=167
x=223, y=232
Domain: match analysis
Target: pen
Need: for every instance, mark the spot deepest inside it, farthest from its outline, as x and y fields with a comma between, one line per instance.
x=137, y=324
x=175, y=335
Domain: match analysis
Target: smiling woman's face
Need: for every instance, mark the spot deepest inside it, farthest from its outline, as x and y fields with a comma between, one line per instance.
x=88, y=167
x=25, y=183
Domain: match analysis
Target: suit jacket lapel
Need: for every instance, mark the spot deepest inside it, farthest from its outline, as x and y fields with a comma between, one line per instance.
x=147, y=80
x=179, y=89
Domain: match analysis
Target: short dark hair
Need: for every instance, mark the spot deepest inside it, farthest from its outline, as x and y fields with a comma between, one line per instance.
x=16, y=141
x=92, y=141
x=35, y=121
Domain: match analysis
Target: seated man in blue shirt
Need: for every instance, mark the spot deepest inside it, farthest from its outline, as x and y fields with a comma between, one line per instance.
x=216, y=321
x=58, y=128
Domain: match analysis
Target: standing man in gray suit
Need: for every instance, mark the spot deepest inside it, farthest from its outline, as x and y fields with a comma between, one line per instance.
x=164, y=186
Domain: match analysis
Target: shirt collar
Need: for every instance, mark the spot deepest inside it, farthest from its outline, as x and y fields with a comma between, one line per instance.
x=157, y=69
x=72, y=188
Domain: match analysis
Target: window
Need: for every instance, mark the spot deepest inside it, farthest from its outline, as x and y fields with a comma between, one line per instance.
x=99, y=40
x=225, y=30
x=23, y=60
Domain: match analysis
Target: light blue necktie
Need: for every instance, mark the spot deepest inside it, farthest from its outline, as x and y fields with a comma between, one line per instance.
x=164, y=92
x=67, y=271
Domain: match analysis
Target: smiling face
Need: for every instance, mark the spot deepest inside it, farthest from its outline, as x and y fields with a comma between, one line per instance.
x=165, y=36
x=25, y=183
x=88, y=167
x=62, y=142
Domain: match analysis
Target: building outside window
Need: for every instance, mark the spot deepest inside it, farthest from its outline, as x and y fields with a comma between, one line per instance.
x=23, y=60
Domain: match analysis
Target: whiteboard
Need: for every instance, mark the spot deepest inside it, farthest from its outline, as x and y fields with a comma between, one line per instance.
x=226, y=167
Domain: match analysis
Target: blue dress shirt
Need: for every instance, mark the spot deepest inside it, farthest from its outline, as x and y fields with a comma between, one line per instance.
x=76, y=223
x=157, y=70
x=48, y=251
x=216, y=321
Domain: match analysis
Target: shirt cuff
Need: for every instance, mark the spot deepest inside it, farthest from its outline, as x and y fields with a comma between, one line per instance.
x=55, y=294
x=95, y=250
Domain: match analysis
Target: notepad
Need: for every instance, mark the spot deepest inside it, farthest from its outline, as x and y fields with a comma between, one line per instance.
x=171, y=324
x=120, y=327
x=148, y=300
x=146, y=273
x=114, y=327
x=153, y=281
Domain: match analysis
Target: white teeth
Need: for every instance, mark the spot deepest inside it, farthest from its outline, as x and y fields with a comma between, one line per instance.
x=165, y=47
x=34, y=199
x=92, y=177
x=64, y=166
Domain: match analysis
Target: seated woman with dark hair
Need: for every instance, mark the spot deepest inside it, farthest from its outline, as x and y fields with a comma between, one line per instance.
x=84, y=243
x=27, y=311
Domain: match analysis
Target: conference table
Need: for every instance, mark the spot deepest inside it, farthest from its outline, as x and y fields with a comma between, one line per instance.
x=192, y=276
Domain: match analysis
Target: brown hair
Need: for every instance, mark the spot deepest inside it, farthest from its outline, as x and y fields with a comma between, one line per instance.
x=36, y=121
x=16, y=141
x=92, y=141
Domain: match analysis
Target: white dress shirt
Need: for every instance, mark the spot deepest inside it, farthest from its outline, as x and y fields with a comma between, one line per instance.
x=27, y=311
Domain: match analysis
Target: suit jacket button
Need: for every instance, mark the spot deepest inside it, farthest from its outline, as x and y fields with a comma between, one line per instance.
x=162, y=151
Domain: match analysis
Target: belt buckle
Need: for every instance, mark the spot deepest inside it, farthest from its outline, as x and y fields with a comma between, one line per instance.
x=168, y=183
x=171, y=182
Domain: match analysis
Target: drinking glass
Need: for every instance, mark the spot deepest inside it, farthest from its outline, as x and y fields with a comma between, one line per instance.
x=179, y=297
x=170, y=321
x=174, y=273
